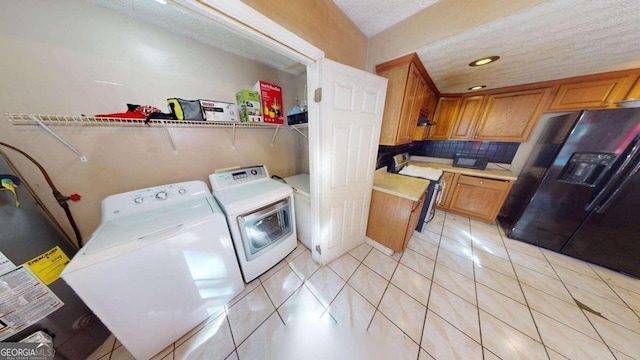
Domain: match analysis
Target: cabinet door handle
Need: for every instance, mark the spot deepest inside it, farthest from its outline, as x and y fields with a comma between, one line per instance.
x=481, y=182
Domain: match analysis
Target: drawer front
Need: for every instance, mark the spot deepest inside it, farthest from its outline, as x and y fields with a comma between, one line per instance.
x=483, y=182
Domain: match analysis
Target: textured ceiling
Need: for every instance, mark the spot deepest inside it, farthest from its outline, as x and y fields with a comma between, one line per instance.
x=184, y=22
x=374, y=16
x=553, y=40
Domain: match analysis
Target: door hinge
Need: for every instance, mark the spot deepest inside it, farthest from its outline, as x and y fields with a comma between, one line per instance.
x=318, y=249
x=317, y=97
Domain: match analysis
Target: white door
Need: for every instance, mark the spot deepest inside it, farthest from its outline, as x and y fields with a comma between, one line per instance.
x=348, y=132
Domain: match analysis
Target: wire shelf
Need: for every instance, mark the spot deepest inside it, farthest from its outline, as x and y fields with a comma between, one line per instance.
x=30, y=119
x=44, y=120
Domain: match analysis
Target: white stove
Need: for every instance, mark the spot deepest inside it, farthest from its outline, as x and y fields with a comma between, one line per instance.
x=400, y=165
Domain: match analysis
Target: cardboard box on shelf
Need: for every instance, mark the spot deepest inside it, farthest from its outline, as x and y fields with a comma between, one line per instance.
x=271, y=100
x=249, y=107
x=219, y=111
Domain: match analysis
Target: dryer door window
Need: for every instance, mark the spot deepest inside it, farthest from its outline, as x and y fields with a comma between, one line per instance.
x=265, y=227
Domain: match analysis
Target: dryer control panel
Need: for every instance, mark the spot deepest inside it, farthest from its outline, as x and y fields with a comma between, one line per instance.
x=233, y=177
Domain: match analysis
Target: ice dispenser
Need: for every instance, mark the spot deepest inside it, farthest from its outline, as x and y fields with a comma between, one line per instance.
x=586, y=168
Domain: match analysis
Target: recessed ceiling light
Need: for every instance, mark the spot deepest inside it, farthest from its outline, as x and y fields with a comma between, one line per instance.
x=478, y=87
x=163, y=2
x=484, y=61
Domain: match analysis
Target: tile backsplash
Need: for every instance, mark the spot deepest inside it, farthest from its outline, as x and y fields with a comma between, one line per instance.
x=497, y=152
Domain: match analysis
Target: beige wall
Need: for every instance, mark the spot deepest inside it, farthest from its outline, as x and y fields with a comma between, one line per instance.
x=436, y=22
x=57, y=56
x=321, y=23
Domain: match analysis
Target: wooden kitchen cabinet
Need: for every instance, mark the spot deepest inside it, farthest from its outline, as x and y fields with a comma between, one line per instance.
x=593, y=94
x=508, y=116
x=429, y=103
x=403, y=102
x=428, y=108
x=392, y=219
x=511, y=116
x=444, y=118
x=467, y=118
x=421, y=133
x=443, y=200
x=410, y=93
x=477, y=197
x=634, y=92
x=422, y=93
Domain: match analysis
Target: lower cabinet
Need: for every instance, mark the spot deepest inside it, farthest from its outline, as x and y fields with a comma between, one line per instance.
x=392, y=219
x=442, y=201
x=477, y=197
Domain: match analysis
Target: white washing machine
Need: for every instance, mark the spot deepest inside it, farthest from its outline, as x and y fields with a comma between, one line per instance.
x=160, y=262
x=302, y=201
x=261, y=216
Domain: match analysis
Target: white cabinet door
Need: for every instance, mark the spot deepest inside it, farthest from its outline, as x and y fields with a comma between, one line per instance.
x=350, y=117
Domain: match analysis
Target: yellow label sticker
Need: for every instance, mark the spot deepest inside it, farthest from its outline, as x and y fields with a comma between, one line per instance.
x=48, y=266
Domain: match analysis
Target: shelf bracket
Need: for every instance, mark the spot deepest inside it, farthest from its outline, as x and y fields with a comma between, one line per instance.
x=169, y=138
x=59, y=138
x=233, y=142
x=300, y=132
x=275, y=133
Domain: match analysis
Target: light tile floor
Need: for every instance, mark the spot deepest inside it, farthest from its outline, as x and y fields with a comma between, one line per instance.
x=461, y=290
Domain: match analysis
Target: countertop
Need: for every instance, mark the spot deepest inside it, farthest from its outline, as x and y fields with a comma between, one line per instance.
x=487, y=173
x=399, y=185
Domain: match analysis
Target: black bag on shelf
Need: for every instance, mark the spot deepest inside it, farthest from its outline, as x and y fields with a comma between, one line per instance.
x=185, y=109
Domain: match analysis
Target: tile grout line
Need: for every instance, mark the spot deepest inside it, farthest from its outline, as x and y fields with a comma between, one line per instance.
x=582, y=310
x=569, y=292
x=382, y=297
x=235, y=348
x=475, y=286
x=380, y=302
x=615, y=292
x=525, y=299
x=261, y=284
x=346, y=282
x=433, y=274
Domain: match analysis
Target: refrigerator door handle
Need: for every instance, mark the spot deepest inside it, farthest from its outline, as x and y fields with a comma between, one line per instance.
x=615, y=178
x=605, y=205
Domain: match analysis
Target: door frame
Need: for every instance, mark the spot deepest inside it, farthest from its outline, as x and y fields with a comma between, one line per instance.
x=245, y=20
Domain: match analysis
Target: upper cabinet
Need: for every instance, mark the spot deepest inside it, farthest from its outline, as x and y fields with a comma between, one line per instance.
x=506, y=116
x=430, y=99
x=511, y=116
x=407, y=96
x=467, y=119
x=446, y=112
x=590, y=94
x=634, y=93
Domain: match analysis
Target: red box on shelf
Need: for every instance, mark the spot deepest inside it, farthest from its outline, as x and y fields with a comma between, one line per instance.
x=271, y=99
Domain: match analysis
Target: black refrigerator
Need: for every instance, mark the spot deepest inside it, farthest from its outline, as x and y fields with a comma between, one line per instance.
x=580, y=189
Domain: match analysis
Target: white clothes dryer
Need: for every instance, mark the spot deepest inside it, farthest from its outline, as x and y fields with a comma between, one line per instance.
x=160, y=262
x=261, y=217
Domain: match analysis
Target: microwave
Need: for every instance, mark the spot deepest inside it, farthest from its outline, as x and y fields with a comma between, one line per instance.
x=470, y=161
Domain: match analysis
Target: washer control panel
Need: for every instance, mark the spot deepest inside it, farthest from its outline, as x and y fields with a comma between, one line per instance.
x=153, y=197
x=160, y=193
x=234, y=177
